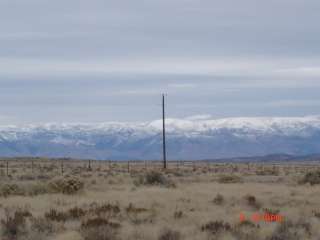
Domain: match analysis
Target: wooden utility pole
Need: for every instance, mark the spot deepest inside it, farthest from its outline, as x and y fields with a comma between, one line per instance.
x=89, y=166
x=7, y=168
x=62, y=170
x=164, y=134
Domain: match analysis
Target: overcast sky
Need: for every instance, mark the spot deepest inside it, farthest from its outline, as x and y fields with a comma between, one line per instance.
x=110, y=60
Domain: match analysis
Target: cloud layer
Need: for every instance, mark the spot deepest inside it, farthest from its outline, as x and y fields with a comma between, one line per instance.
x=110, y=60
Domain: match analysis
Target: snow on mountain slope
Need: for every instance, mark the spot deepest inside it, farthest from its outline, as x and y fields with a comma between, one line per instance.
x=190, y=138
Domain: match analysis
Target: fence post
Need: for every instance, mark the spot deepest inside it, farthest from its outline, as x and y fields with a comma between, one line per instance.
x=128, y=166
x=32, y=166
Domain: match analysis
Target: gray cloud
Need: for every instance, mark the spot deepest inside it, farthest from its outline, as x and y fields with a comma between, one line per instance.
x=110, y=60
x=186, y=28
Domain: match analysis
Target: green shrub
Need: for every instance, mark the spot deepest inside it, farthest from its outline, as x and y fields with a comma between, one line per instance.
x=154, y=178
x=66, y=185
x=11, y=189
x=229, y=179
x=268, y=172
x=36, y=189
x=28, y=189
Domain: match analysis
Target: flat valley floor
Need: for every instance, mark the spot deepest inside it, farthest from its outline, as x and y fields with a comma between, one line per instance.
x=83, y=200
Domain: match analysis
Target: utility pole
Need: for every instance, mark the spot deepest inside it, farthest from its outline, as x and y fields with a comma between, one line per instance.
x=7, y=166
x=164, y=134
x=62, y=170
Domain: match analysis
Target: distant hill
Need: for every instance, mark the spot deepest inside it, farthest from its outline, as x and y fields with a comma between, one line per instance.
x=187, y=139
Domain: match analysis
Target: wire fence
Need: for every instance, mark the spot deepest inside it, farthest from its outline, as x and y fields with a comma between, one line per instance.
x=10, y=167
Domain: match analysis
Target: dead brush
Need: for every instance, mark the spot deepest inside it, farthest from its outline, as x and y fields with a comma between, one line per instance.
x=246, y=230
x=54, y=215
x=216, y=227
x=99, y=229
x=312, y=178
x=168, y=234
x=98, y=221
x=252, y=201
x=218, y=200
x=23, y=211
x=178, y=173
x=76, y=212
x=178, y=214
x=14, y=224
x=49, y=168
x=106, y=210
x=316, y=213
x=139, y=215
x=42, y=225
x=247, y=223
x=289, y=230
x=271, y=211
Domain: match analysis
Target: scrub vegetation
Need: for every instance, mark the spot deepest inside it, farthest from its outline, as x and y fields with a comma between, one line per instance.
x=44, y=199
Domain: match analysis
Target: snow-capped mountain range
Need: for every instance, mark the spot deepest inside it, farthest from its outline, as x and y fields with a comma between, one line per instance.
x=191, y=138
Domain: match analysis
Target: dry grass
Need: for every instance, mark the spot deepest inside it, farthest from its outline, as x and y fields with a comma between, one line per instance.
x=201, y=202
